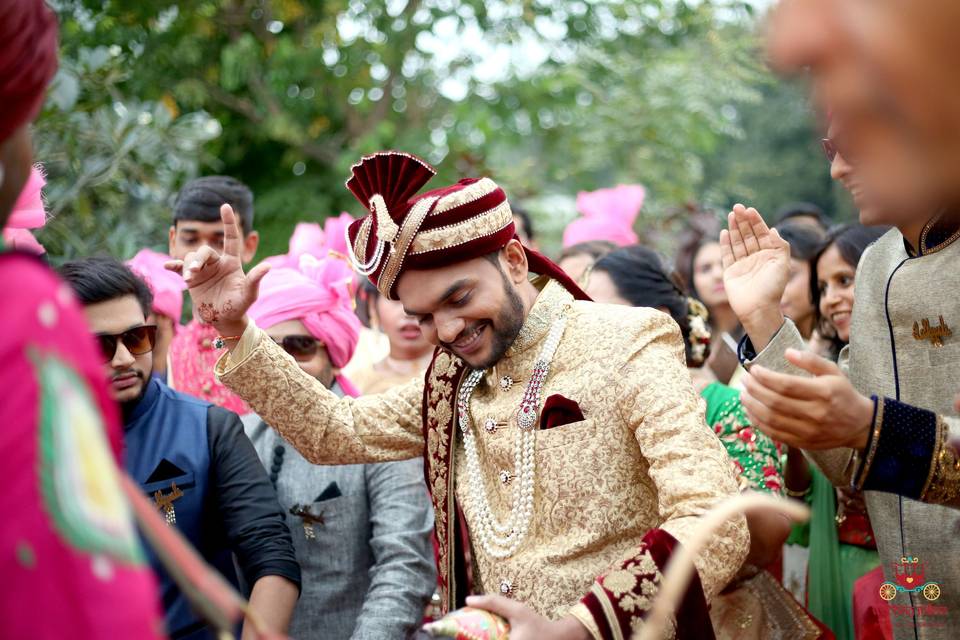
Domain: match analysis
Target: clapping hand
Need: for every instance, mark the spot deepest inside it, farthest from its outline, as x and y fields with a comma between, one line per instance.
x=220, y=291
x=756, y=267
x=819, y=412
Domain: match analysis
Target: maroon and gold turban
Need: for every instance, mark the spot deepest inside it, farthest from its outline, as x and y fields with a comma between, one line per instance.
x=28, y=60
x=467, y=220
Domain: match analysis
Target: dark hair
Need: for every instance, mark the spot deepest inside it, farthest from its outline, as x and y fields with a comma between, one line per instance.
x=802, y=210
x=596, y=249
x=805, y=241
x=202, y=198
x=851, y=241
x=642, y=277
x=524, y=215
x=100, y=279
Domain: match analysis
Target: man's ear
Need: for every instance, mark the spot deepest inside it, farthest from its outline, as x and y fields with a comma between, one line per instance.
x=172, y=239
x=516, y=261
x=250, y=243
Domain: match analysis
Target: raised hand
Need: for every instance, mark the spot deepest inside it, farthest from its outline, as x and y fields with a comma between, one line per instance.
x=220, y=291
x=756, y=267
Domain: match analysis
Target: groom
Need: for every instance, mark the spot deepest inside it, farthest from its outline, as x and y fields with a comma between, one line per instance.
x=582, y=459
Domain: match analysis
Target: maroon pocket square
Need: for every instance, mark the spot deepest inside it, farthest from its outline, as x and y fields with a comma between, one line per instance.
x=558, y=411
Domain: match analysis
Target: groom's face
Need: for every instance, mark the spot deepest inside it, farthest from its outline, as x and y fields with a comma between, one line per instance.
x=471, y=308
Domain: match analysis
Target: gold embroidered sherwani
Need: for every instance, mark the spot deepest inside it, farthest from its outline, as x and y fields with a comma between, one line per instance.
x=642, y=459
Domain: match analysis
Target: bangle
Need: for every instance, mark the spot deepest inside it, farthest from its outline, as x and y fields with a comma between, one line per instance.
x=796, y=494
x=221, y=341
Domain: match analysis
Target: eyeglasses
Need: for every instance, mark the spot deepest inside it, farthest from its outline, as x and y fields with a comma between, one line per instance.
x=302, y=348
x=829, y=149
x=138, y=341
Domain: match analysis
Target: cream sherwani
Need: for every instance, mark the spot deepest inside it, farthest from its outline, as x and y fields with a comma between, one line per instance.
x=642, y=459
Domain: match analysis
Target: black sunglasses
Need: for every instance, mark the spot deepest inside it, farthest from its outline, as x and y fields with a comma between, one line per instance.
x=829, y=149
x=138, y=341
x=302, y=348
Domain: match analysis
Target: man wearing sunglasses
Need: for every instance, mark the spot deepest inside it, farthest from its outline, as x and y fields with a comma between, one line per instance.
x=191, y=457
x=361, y=531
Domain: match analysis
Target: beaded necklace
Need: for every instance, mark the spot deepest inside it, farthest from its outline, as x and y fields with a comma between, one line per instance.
x=502, y=539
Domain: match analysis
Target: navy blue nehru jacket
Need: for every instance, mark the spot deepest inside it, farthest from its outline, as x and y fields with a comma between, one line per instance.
x=194, y=460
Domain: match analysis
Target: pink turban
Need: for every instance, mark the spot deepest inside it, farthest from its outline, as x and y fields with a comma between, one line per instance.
x=608, y=214
x=28, y=213
x=336, y=230
x=167, y=286
x=318, y=294
x=309, y=239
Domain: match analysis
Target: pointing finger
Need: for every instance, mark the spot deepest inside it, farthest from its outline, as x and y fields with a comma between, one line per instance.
x=231, y=231
x=174, y=265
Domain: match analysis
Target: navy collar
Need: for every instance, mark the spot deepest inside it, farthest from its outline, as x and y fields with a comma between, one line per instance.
x=940, y=232
x=146, y=404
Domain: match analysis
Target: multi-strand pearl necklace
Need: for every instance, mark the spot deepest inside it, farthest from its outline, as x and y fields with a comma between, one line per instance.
x=502, y=539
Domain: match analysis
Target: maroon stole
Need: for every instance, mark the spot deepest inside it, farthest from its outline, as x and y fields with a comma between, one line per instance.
x=615, y=597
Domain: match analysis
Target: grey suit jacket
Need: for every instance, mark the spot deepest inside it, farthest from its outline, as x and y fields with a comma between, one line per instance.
x=894, y=290
x=368, y=570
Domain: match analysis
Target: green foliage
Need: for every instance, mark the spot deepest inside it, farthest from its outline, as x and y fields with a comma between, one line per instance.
x=112, y=164
x=547, y=96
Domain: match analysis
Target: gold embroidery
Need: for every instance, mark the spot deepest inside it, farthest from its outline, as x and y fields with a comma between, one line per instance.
x=440, y=417
x=944, y=486
x=924, y=250
x=398, y=250
x=479, y=226
x=620, y=581
x=387, y=229
x=472, y=192
x=644, y=570
x=924, y=331
x=874, y=444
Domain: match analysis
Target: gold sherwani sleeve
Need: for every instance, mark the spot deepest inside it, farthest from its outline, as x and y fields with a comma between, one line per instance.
x=324, y=428
x=836, y=464
x=691, y=472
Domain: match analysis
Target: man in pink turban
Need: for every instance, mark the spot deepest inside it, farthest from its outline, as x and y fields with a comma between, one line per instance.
x=309, y=311
x=167, y=288
x=360, y=531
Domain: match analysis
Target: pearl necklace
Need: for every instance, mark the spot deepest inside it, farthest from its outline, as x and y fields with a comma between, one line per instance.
x=502, y=539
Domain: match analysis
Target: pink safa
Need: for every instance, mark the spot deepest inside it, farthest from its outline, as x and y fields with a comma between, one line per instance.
x=28, y=213
x=167, y=286
x=608, y=214
x=309, y=238
x=318, y=294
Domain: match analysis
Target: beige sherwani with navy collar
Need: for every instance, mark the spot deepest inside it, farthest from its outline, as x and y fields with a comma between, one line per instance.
x=915, y=374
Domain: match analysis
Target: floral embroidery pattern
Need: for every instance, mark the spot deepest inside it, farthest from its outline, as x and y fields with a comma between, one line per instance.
x=439, y=425
x=753, y=455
